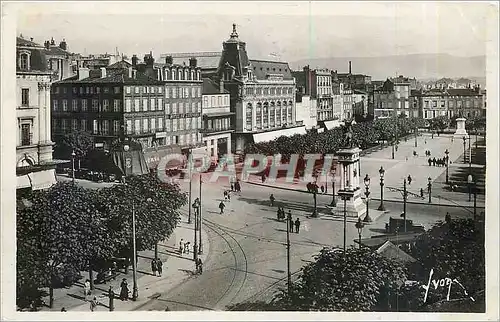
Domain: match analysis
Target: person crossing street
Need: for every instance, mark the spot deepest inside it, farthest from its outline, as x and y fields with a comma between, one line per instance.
x=297, y=225
x=271, y=199
x=221, y=207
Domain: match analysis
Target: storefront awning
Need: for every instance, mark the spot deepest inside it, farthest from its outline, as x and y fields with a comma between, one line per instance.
x=271, y=135
x=42, y=179
x=332, y=124
x=23, y=182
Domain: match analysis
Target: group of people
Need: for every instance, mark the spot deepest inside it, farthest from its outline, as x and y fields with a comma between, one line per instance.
x=184, y=247
x=437, y=162
x=290, y=222
x=235, y=185
x=157, y=266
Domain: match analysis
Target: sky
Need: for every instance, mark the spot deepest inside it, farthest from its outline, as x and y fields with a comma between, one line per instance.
x=292, y=30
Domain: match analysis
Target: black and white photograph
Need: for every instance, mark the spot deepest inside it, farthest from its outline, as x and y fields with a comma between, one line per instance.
x=225, y=160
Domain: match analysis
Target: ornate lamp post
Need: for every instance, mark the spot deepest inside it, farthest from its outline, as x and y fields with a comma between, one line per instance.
x=73, y=154
x=447, y=164
x=416, y=134
x=200, y=220
x=470, y=181
x=470, y=154
x=359, y=226
x=381, y=171
x=464, y=139
x=429, y=188
x=135, y=289
x=367, y=194
x=334, y=202
x=196, y=206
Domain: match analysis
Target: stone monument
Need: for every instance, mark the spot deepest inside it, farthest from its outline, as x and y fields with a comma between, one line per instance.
x=350, y=173
x=461, y=132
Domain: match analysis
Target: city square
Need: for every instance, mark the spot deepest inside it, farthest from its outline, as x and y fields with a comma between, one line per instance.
x=176, y=178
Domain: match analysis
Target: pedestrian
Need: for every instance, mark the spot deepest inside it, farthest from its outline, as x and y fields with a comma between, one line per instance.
x=93, y=304
x=86, y=288
x=290, y=221
x=124, y=290
x=114, y=269
x=396, y=148
x=159, y=265
x=199, y=266
x=154, y=267
x=232, y=185
x=434, y=161
x=421, y=192
x=279, y=214
x=322, y=189
x=225, y=195
x=429, y=161
x=425, y=141
x=237, y=186
x=221, y=207
x=271, y=199
x=263, y=178
x=188, y=247
x=229, y=196
x=181, y=246
x=297, y=225
x=409, y=180
x=63, y=309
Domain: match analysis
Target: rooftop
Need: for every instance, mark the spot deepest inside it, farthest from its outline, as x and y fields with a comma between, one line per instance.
x=119, y=77
x=209, y=88
x=391, y=251
x=261, y=68
x=204, y=60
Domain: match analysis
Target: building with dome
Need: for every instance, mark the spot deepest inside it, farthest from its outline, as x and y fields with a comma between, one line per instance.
x=262, y=95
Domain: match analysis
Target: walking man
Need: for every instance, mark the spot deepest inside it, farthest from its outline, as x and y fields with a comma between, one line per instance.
x=229, y=196
x=409, y=180
x=154, y=266
x=181, y=246
x=429, y=161
x=93, y=304
x=159, y=266
x=225, y=195
x=297, y=225
x=221, y=207
x=187, y=248
x=434, y=161
x=271, y=199
x=86, y=288
x=199, y=266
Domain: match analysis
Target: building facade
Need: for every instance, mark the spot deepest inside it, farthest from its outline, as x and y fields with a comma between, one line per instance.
x=393, y=98
x=262, y=94
x=317, y=84
x=306, y=111
x=59, y=60
x=216, y=127
x=35, y=166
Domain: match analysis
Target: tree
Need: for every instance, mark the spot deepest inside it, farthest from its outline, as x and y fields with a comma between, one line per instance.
x=80, y=142
x=360, y=280
x=57, y=235
x=439, y=123
x=453, y=250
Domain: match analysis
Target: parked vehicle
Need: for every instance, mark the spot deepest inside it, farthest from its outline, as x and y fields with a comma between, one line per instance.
x=398, y=225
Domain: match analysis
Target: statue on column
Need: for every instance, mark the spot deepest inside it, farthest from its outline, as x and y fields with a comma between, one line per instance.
x=348, y=134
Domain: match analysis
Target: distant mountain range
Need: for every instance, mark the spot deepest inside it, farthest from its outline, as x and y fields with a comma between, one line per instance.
x=420, y=66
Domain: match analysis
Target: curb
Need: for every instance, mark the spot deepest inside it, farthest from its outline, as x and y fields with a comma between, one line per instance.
x=377, y=199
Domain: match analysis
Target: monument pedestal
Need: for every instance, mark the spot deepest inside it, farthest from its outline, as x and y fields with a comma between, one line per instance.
x=355, y=207
x=461, y=132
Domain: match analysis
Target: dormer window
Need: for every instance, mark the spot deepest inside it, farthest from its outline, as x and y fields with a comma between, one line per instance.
x=24, y=60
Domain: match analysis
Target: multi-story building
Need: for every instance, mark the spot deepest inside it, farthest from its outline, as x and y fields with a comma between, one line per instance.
x=35, y=166
x=217, y=128
x=58, y=59
x=122, y=100
x=208, y=62
x=306, y=111
x=317, y=84
x=360, y=102
x=450, y=102
x=262, y=95
x=354, y=81
x=393, y=98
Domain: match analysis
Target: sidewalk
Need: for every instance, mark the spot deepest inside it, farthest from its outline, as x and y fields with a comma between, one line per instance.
x=176, y=269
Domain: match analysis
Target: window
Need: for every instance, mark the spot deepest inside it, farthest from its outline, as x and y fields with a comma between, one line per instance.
x=193, y=92
x=153, y=125
x=81, y=90
x=199, y=107
x=116, y=127
x=105, y=105
x=54, y=105
x=83, y=125
x=174, y=108
x=26, y=134
x=443, y=103
x=188, y=123
x=25, y=97
x=117, y=105
x=186, y=92
x=199, y=123
x=74, y=105
x=205, y=101
x=167, y=92
x=145, y=89
x=199, y=92
x=95, y=105
x=97, y=90
x=160, y=89
x=174, y=125
x=75, y=90
x=84, y=105
x=219, y=101
x=213, y=101
x=145, y=127
x=174, y=92
x=168, y=123
x=145, y=104
x=226, y=100
x=87, y=89
x=105, y=127
x=160, y=123
x=160, y=103
x=128, y=89
x=117, y=90
x=105, y=89
x=137, y=126
x=24, y=62
x=181, y=139
x=136, y=89
x=128, y=128
x=181, y=108
x=136, y=105
x=167, y=108
x=153, y=105
x=95, y=127
x=65, y=105
x=151, y=90
x=64, y=124
x=434, y=103
x=450, y=104
x=289, y=115
x=91, y=90
x=128, y=105
x=181, y=124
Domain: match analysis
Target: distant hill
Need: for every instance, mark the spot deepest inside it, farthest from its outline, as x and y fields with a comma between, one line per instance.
x=421, y=66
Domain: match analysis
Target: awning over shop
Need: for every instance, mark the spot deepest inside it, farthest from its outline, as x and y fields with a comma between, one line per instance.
x=42, y=179
x=23, y=182
x=332, y=124
x=271, y=135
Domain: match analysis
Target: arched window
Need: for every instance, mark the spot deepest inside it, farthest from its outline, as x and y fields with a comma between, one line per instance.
x=180, y=74
x=186, y=76
x=24, y=60
x=26, y=161
x=249, y=111
x=272, y=112
x=192, y=75
x=258, y=116
x=278, y=113
x=198, y=77
x=265, y=115
x=283, y=113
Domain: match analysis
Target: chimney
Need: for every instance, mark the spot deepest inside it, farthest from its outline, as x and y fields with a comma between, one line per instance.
x=52, y=42
x=130, y=72
x=63, y=45
x=134, y=60
x=47, y=44
x=169, y=60
x=193, y=62
x=31, y=39
x=350, y=68
x=134, y=74
x=103, y=72
x=83, y=73
x=221, y=85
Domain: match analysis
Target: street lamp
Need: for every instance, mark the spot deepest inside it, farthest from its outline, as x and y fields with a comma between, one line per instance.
x=463, y=138
x=469, y=183
x=447, y=164
x=416, y=134
x=381, y=171
x=196, y=206
x=73, y=154
x=359, y=226
x=470, y=154
x=367, y=194
x=429, y=188
x=334, y=203
x=190, y=184
x=200, y=219
x=135, y=290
